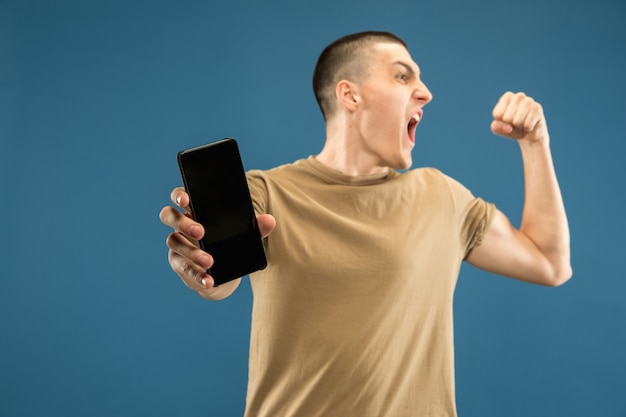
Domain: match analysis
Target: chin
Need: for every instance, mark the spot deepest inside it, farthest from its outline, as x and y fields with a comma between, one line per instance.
x=407, y=160
x=403, y=164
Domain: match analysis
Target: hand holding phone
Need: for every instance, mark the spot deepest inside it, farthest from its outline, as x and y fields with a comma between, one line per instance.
x=215, y=181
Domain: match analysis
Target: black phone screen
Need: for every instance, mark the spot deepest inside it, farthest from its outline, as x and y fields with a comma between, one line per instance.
x=215, y=180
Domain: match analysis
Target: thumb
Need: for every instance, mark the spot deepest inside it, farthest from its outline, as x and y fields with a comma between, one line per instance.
x=266, y=223
x=501, y=128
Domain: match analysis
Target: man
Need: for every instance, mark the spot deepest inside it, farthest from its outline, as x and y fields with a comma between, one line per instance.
x=353, y=316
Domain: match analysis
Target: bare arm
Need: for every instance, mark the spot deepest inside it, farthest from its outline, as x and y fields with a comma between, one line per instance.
x=539, y=252
x=185, y=256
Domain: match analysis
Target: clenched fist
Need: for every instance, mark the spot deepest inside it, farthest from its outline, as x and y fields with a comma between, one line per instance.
x=517, y=116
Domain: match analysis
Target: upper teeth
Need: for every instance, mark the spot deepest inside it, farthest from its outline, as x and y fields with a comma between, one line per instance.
x=416, y=117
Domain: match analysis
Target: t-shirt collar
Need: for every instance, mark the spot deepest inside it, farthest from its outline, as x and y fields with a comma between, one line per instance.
x=335, y=177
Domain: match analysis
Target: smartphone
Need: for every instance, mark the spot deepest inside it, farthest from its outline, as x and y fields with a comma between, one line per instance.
x=215, y=180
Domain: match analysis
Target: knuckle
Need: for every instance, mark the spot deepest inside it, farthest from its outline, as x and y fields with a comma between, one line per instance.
x=164, y=214
x=171, y=240
x=186, y=269
x=169, y=216
x=175, y=192
x=188, y=272
x=176, y=261
x=195, y=275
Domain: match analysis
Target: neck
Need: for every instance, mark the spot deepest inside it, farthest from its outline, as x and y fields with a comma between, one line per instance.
x=343, y=153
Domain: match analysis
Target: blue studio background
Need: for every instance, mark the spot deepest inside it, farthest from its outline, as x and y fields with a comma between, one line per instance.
x=96, y=98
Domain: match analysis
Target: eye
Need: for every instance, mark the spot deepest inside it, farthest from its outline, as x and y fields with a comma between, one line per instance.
x=402, y=77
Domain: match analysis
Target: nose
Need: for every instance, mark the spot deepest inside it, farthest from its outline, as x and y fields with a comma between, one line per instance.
x=422, y=93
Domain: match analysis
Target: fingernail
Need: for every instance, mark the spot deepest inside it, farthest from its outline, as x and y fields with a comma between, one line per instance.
x=178, y=198
x=195, y=232
x=205, y=261
x=204, y=282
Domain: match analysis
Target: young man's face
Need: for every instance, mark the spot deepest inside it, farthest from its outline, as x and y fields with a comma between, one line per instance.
x=392, y=96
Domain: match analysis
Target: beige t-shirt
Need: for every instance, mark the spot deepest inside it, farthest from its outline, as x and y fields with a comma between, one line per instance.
x=353, y=315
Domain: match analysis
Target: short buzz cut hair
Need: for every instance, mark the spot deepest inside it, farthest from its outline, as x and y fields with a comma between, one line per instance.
x=343, y=59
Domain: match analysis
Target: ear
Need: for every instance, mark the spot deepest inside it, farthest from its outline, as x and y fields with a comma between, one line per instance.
x=347, y=95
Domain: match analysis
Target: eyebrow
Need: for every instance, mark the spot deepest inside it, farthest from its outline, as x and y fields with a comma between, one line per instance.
x=406, y=66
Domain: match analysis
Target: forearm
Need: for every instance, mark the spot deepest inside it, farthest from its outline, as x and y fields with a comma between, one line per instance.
x=544, y=220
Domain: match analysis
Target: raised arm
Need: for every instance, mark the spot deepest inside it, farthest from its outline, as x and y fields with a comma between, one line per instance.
x=185, y=256
x=539, y=251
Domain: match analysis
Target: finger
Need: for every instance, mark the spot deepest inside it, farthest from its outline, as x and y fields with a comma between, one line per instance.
x=178, y=221
x=501, y=105
x=535, y=115
x=194, y=276
x=180, y=197
x=515, y=111
x=501, y=128
x=266, y=223
x=528, y=114
x=519, y=119
x=181, y=245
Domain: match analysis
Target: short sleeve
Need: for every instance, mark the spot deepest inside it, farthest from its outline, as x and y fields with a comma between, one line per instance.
x=258, y=190
x=472, y=214
x=477, y=218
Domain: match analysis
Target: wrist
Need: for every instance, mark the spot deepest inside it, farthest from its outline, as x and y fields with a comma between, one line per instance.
x=535, y=144
x=221, y=292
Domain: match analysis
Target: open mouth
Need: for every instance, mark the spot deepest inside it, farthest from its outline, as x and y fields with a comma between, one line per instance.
x=412, y=126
